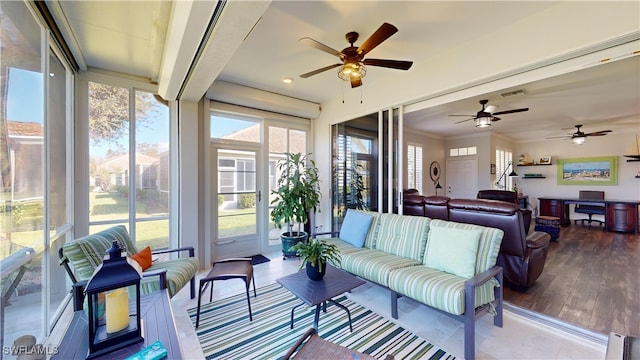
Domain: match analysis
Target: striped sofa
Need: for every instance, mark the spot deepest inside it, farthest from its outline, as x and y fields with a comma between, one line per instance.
x=82, y=256
x=398, y=252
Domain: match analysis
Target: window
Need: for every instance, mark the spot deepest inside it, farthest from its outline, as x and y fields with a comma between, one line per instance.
x=35, y=139
x=503, y=158
x=282, y=139
x=414, y=167
x=129, y=159
x=463, y=151
x=227, y=127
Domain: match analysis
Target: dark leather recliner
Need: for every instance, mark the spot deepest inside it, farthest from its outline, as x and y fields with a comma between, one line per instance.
x=413, y=204
x=436, y=207
x=508, y=196
x=521, y=256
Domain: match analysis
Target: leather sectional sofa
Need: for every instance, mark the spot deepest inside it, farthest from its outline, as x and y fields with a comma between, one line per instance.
x=522, y=253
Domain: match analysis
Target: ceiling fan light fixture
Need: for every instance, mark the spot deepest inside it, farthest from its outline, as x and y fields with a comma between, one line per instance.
x=482, y=122
x=352, y=70
x=579, y=140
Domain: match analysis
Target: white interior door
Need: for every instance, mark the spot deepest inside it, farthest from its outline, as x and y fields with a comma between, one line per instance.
x=462, y=178
x=236, y=191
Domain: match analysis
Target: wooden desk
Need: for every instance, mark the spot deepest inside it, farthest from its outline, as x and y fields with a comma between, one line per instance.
x=620, y=215
x=158, y=324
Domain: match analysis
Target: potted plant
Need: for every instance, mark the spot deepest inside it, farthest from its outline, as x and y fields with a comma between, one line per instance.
x=315, y=255
x=297, y=193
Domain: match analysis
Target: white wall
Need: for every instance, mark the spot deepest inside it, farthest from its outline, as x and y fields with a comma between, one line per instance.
x=613, y=144
x=432, y=150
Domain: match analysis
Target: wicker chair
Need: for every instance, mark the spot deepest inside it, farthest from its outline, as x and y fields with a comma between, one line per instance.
x=311, y=346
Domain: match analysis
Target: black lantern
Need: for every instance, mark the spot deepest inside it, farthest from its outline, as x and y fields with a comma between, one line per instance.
x=113, y=295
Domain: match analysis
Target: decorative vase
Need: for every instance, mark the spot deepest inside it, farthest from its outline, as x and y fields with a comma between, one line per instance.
x=314, y=274
x=289, y=239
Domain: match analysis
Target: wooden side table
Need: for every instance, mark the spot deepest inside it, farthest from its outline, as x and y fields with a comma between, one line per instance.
x=157, y=324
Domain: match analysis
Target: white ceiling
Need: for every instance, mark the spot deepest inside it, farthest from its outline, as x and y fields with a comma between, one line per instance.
x=129, y=37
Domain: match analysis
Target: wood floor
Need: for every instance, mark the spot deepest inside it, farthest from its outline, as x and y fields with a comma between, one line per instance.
x=591, y=278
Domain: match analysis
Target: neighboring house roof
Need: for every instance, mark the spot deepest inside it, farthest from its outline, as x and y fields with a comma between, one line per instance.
x=23, y=129
x=277, y=144
x=122, y=161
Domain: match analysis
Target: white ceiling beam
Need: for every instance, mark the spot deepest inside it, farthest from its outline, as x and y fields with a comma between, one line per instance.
x=237, y=20
x=69, y=37
x=185, y=63
x=189, y=20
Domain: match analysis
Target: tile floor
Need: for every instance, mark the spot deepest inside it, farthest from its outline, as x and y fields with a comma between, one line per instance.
x=520, y=338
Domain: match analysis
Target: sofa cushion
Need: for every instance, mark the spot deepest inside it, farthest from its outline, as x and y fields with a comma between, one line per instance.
x=438, y=289
x=374, y=265
x=489, y=243
x=343, y=247
x=355, y=227
x=452, y=250
x=404, y=236
x=372, y=235
x=86, y=253
x=179, y=273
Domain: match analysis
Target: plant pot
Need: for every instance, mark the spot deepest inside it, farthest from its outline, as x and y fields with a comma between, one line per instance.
x=314, y=274
x=289, y=240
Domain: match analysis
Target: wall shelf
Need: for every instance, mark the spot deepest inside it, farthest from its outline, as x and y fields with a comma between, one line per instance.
x=534, y=177
x=534, y=164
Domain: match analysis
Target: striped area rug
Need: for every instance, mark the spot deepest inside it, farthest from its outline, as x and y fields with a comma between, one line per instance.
x=225, y=331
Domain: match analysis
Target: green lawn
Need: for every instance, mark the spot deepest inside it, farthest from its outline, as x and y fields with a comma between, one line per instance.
x=113, y=205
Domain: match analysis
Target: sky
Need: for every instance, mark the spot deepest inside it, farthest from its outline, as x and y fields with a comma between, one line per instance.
x=25, y=101
x=221, y=126
x=24, y=98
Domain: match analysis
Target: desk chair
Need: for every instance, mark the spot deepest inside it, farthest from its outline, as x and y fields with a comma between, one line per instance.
x=590, y=209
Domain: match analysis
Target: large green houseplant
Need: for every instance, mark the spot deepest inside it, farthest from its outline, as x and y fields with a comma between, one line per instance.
x=297, y=194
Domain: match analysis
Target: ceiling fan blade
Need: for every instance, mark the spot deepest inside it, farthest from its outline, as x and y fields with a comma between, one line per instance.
x=394, y=64
x=461, y=121
x=598, y=133
x=382, y=34
x=355, y=82
x=318, y=71
x=494, y=118
x=560, y=137
x=462, y=115
x=320, y=46
x=510, y=111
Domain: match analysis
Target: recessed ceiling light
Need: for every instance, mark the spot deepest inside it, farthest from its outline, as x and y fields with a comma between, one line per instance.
x=287, y=80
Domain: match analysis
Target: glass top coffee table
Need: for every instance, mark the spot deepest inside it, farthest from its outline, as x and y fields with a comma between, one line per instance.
x=317, y=293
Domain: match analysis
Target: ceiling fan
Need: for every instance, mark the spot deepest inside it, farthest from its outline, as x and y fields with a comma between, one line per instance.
x=485, y=116
x=353, y=61
x=579, y=137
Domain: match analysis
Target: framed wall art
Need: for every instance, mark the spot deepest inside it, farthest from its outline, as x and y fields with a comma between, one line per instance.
x=544, y=160
x=588, y=171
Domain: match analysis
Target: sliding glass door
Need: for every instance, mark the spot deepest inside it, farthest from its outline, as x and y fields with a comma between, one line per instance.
x=354, y=168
